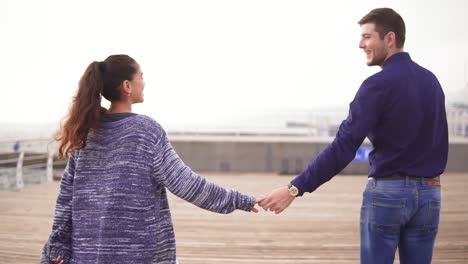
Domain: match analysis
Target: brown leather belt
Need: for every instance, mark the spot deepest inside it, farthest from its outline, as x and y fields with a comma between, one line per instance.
x=434, y=181
x=402, y=177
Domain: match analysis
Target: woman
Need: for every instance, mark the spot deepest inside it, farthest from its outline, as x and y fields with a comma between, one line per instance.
x=112, y=206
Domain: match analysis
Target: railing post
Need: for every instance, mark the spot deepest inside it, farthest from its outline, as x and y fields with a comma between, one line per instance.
x=50, y=166
x=464, y=123
x=19, y=171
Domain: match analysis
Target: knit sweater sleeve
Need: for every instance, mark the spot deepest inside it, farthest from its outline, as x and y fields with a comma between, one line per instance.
x=59, y=242
x=179, y=179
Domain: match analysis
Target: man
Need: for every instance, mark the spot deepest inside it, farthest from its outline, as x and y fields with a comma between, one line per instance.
x=401, y=110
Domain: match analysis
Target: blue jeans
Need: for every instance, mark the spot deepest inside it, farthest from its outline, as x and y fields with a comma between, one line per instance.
x=399, y=213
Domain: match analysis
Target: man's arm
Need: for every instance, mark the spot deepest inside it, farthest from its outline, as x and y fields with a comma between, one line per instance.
x=364, y=114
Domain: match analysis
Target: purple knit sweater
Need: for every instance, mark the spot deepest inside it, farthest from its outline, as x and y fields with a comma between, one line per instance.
x=112, y=206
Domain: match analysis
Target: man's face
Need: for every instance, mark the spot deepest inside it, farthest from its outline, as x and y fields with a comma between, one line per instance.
x=373, y=46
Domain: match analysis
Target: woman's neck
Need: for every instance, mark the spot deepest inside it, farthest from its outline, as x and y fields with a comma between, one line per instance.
x=120, y=107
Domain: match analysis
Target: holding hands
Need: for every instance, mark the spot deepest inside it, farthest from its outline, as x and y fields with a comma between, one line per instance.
x=278, y=200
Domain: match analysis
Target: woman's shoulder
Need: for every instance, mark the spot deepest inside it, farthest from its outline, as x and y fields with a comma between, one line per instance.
x=149, y=124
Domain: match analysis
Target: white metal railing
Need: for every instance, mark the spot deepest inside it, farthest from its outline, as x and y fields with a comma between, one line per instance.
x=13, y=171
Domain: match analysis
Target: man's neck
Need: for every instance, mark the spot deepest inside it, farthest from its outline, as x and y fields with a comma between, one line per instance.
x=391, y=53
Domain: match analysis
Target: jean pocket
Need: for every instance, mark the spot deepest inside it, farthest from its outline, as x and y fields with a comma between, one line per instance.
x=387, y=214
x=433, y=216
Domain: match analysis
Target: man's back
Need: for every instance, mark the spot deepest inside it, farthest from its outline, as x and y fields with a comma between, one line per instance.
x=411, y=134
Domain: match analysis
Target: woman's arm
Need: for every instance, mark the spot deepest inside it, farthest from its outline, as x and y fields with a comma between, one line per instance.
x=186, y=184
x=58, y=245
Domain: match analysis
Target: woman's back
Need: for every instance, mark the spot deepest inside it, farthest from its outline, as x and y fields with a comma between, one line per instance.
x=119, y=213
x=116, y=200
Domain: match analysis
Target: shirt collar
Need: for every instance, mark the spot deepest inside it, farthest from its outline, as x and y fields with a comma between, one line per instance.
x=400, y=56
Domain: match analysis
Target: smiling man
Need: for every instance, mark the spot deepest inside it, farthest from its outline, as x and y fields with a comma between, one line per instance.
x=401, y=109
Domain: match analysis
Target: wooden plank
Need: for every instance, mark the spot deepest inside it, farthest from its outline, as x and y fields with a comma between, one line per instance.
x=322, y=227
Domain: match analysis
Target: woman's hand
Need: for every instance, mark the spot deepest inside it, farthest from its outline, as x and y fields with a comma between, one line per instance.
x=57, y=260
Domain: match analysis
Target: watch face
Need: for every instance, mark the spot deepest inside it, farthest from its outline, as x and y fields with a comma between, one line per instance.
x=293, y=191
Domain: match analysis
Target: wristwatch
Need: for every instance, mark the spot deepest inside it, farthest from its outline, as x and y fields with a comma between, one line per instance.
x=293, y=190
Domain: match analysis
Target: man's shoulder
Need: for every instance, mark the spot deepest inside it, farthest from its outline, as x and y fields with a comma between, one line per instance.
x=423, y=71
x=392, y=75
x=379, y=79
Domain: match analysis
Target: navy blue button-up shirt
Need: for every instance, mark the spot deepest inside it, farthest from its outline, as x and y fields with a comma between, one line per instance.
x=401, y=109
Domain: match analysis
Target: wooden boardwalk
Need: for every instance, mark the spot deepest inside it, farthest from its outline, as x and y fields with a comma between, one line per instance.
x=322, y=227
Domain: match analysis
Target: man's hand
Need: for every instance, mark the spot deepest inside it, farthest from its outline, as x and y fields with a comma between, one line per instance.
x=257, y=201
x=277, y=200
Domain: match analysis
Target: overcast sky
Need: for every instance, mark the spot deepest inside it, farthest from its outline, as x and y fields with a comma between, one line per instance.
x=207, y=60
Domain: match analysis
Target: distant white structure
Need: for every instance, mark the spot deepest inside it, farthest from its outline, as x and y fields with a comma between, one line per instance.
x=457, y=119
x=457, y=112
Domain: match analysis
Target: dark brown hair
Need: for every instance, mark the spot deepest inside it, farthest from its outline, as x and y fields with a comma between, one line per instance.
x=103, y=78
x=386, y=20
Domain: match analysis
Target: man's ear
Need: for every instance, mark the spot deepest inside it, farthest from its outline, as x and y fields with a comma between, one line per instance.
x=390, y=40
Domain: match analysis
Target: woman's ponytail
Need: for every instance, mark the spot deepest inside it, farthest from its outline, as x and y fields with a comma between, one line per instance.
x=84, y=112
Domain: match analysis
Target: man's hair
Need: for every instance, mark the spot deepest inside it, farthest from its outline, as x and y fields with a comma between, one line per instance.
x=386, y=20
